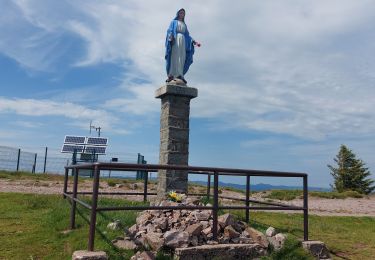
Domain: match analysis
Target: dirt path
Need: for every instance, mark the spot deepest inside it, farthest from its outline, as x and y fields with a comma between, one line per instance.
x=317, y=206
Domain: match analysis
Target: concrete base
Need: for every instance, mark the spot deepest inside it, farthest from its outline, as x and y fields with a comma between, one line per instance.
x=89, y=255
x=221, y=251
x=174, y=136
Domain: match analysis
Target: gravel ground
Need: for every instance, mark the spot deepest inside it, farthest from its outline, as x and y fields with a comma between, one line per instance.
x=317, y=206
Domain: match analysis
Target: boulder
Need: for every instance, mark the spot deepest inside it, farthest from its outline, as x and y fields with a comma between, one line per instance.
x=146, y=255
x=258, y=237
x=131, y=231
x=204, y=215
x=270, y=232
x=194, y=230
x=116, y=225
x=277, y=241
x=174, y=239
x=89, y=255
x=125, y=244
x=154, y=241
x=230, y=232
x=317, y=248
x=226, y=220
x=144, y=218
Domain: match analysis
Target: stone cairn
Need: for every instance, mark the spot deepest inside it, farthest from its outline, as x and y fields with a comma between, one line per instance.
x=188, y=234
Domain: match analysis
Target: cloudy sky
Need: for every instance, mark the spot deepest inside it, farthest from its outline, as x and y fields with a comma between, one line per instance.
x=281, y=83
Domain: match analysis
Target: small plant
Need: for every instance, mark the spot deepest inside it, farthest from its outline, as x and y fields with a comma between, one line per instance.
x=173, y=196
x=111, y=183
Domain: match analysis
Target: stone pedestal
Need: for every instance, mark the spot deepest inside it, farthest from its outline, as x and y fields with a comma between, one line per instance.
x=174, y=136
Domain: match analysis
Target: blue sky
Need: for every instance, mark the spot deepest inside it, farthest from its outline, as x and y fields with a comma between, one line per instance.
x=281, y=83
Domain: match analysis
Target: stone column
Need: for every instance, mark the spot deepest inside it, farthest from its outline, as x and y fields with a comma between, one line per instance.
x=174, y=136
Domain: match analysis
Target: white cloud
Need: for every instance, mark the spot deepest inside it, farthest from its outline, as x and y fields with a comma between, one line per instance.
x=33, y=107
x=287, y=67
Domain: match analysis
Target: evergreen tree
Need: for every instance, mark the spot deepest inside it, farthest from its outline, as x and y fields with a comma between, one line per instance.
x=351, y=173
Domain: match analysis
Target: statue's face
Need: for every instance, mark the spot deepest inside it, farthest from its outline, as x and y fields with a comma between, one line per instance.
x=181, y=14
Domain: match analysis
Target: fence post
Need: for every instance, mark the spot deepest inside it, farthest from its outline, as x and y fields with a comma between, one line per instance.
x=34, y=165
x=208, y=185
x=145, y=187
x=45, y=160
x=65, y=182
x=216, y=205
x=247, y=198
x=18, y=159
x=305, y=210
x=94, y=204
x=74, y=203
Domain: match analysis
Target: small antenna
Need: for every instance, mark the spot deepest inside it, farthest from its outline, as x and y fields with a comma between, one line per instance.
x=97, y=129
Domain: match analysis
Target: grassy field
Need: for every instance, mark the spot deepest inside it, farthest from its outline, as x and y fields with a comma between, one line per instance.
x=31, y=227
x=295, y=194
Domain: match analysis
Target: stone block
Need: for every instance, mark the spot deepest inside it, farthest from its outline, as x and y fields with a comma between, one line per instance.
x=89, y=255
x=317, y=248
x=176, y=90
x=221, y=251
x=258, y=237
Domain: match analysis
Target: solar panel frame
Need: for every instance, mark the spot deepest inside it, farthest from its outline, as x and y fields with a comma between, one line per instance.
x=98, y=149
x=74, y=139
x=69, y=148
x=97, y=141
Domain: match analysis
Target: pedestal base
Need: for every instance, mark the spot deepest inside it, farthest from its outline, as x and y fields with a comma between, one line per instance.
x=174, y=136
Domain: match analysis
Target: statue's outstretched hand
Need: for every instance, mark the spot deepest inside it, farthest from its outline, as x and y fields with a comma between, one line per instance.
x=196, y=43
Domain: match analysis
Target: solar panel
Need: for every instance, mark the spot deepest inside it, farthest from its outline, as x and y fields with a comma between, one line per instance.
x=95, y=149
x=97, y=140
x=70, y=139
x=69, y=148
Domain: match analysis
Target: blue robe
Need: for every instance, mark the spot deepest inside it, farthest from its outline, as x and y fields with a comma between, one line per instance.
x=172, y=30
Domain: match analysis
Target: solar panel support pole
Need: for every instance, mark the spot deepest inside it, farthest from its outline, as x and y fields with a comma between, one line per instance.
x=45, y=160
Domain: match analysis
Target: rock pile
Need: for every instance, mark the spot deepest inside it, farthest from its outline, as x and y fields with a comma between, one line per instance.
x=172, y=229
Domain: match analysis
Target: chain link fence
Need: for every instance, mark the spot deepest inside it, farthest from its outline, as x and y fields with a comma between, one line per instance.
x=50, y=160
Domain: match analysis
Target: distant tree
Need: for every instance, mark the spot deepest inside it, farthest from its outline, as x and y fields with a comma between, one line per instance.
x=351, y=173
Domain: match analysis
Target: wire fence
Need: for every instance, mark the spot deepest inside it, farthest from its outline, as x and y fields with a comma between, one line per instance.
x=51, y=160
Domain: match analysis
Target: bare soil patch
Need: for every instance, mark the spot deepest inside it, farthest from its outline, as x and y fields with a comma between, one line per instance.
x=317, y=206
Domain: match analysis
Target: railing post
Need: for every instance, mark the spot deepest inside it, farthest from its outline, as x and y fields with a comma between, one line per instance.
x=65, y=182
x=74, y=203
x=247, y=198
x=216, y=205
x=18, y=160
x=208, y=186
x=305, y=210
x=45, y=160
x=94, y=204
x=145, y=186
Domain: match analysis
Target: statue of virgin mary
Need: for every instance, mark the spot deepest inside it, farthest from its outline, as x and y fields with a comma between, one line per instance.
x=179, y=48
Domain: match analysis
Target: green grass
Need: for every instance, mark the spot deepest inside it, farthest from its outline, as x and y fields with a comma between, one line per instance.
x=31, y=227
x=295, y=194
x=345, y=237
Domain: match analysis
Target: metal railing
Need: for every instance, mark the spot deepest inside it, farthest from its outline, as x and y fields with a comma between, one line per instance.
x=210, y=172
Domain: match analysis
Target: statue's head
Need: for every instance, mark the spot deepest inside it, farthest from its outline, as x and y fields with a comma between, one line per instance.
x=180, y=15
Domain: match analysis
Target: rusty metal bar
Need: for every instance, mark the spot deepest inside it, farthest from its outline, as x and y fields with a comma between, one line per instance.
x=305, y=210
x=215, y=206
x=153, y=208
x=65, y=183
x=247, y=202
x=74, y=204
x=196, y=170
x=94, y=205
x=114, y=193
x=78, y=201
x=262, y=208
